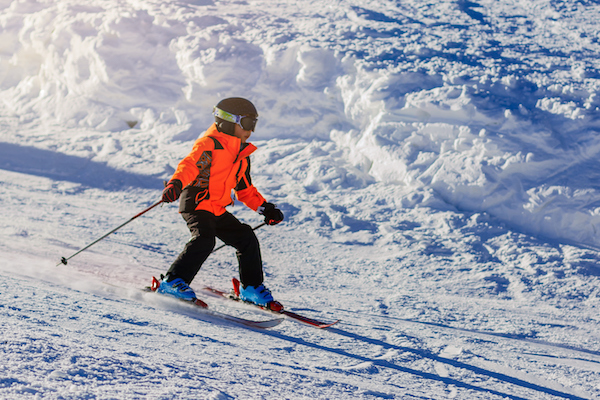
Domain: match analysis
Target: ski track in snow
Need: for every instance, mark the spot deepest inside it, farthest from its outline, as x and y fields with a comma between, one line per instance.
x=69, y=335
x=436, y=162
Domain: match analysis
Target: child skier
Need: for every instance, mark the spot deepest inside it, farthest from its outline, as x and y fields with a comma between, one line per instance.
x=219, y=163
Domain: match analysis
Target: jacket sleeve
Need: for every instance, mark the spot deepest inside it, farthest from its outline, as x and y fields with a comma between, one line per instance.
x=246, y=192
x=251, y=197
x=187, y=169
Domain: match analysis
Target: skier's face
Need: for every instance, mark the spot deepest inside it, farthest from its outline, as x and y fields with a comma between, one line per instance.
x=241, y=133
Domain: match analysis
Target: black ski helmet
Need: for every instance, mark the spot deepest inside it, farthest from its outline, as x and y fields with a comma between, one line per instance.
x=236, y=106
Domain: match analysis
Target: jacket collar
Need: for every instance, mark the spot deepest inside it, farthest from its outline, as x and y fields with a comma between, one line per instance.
x=231, y=143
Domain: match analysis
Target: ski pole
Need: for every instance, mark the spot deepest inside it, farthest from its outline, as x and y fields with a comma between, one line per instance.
x=223, y=245
x=64, y=260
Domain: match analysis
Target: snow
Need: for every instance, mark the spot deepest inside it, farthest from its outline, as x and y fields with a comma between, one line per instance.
x=436, y=162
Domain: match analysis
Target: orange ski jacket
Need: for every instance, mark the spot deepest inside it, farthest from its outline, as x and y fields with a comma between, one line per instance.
x=217, y=165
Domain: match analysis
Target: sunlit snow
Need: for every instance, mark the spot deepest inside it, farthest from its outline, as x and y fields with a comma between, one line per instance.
x=437, y=163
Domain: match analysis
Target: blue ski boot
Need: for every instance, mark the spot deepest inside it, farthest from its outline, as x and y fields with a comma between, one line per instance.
x=259, y=295
x=176, y=288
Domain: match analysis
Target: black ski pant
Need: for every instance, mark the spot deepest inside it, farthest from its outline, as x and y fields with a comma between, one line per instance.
x=205, y=227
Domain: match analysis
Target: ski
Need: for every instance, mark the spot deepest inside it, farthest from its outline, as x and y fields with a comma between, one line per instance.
x=202, y=306
x=278, y=309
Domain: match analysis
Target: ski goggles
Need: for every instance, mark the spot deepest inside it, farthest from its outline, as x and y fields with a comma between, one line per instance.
x=248, y=123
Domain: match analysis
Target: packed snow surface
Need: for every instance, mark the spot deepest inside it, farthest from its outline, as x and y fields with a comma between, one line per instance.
x=436, y=161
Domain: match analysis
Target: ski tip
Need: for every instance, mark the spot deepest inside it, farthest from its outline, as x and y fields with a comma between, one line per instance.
x=266, y=324
x=323, y=326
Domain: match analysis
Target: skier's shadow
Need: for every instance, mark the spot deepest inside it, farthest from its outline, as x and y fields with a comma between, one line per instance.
x=428, y=355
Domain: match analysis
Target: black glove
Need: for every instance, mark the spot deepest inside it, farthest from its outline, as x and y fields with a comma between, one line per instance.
x=273, y=215
x=172, y=191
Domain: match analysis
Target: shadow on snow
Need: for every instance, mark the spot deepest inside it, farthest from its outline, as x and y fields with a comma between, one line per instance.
x=63, y=167
x=426, y=355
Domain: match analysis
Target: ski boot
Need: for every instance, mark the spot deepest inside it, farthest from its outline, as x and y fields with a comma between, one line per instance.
x=260, y=296
x=176, y=288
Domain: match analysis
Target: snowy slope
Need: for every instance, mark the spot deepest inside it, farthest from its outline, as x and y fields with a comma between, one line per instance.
x=436, y=162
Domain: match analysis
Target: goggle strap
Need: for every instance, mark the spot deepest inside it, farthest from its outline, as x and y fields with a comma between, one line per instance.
x=224, y=115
